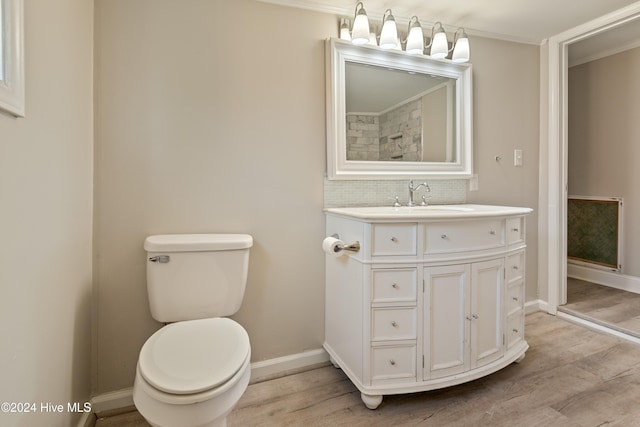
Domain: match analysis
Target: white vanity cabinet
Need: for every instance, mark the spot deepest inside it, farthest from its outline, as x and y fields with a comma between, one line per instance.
x=433, y=298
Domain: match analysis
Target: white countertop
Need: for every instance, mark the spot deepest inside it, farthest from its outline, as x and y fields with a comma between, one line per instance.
x=428, y=212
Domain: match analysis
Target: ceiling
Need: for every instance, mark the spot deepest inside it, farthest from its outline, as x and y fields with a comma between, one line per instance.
x=526, y=21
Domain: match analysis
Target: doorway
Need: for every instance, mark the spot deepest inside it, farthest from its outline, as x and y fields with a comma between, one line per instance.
x=554, y=253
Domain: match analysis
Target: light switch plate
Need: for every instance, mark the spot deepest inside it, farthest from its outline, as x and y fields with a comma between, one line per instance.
x=517, y=157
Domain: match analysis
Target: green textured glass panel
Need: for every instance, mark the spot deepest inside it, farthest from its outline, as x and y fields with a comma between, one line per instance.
x=592, y=231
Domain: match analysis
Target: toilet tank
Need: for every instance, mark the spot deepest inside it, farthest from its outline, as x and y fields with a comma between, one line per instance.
x=196, y=276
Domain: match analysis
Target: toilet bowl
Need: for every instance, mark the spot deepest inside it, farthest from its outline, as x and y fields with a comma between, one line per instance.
x=192, y=373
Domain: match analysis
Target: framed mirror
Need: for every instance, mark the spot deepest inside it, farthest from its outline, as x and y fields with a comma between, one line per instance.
x=395, y=115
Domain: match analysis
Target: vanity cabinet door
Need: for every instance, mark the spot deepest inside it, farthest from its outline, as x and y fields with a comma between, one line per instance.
x=463, y=320
x=487, y=295
x=446, y=328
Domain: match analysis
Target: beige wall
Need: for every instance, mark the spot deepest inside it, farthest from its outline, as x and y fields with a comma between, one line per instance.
x=46, y=185
x=506, y=91
x=210, y=117
x=604, y=107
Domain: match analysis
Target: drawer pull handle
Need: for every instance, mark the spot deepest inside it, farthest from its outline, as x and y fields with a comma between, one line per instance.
x=492, y=232
x=475, y=316
x=515, y=267
x=394, y=239
x=392, y=362
x=515, y=330
x=515, y=229
x=394, y=286
x=444, y=236
x=394, y=324
x=515, y=298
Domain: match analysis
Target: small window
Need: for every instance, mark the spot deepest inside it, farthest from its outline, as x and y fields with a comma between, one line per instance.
x=12, y=57
x=1, y=40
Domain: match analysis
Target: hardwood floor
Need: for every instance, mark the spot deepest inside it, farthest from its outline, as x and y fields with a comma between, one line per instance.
x=607, y=306
x=572, y=376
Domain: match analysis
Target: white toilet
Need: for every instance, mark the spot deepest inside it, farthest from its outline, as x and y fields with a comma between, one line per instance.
x=192, y=372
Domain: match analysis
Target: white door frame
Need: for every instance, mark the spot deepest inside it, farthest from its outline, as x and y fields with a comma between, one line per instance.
x=555, y=250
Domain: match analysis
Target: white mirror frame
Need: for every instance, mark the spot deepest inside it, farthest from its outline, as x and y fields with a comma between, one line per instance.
x=12, y=39
x=338, y=52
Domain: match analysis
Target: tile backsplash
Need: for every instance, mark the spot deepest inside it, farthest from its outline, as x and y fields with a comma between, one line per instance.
x=383, y=192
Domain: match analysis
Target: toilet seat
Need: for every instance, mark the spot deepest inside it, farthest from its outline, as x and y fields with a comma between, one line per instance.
x=194, y=356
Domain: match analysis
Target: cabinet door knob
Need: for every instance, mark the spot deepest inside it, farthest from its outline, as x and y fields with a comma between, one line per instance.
x=515, y=330
x=394, y=324
x=468, y=318
x=492, y=232
x=394, y=286
x=475, y=316
x=515, y=229
x=394, y=239
x=444, y=236
x=515, y=298
x=392, y=362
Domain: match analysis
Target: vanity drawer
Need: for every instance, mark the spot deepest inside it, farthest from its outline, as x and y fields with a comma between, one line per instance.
x=394, y=239
x=392, y=362
x=515, y=230
x=462, y=236
x=515, y=297
x=394, y=285
x=515, y=267
x=393, y=324
x=515, y=329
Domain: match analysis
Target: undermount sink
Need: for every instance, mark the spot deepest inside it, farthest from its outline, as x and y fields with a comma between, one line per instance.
x=408, y=210
x=411, y=209
x=430, y=211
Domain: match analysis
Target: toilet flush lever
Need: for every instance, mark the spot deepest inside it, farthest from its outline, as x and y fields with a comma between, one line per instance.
x=162, y=259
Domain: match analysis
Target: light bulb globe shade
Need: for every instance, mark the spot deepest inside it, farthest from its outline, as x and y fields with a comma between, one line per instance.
x=461, y=50
x=440, y=46
x=415, y=40
x=360, y=32
x=389, y=33
x=345, y=34
x=373, y=41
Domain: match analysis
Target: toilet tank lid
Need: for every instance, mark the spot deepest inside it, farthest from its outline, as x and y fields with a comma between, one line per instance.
x=197, y=242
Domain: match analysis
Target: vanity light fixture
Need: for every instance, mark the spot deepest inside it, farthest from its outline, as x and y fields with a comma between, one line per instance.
x=373, y=40
x=415, y=37
x=389, y=33
x=438, y=46
x=360, y=31
x=460, y=47
x=345, y=34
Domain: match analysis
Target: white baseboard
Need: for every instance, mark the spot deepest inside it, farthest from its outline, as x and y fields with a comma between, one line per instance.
x=88, y=419
x=280, y=366
x=603, y=277
x=113, y=400
x=260, y=371
x=535, y=305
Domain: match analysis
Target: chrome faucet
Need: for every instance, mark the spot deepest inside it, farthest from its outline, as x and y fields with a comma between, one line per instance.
x=412, y=189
